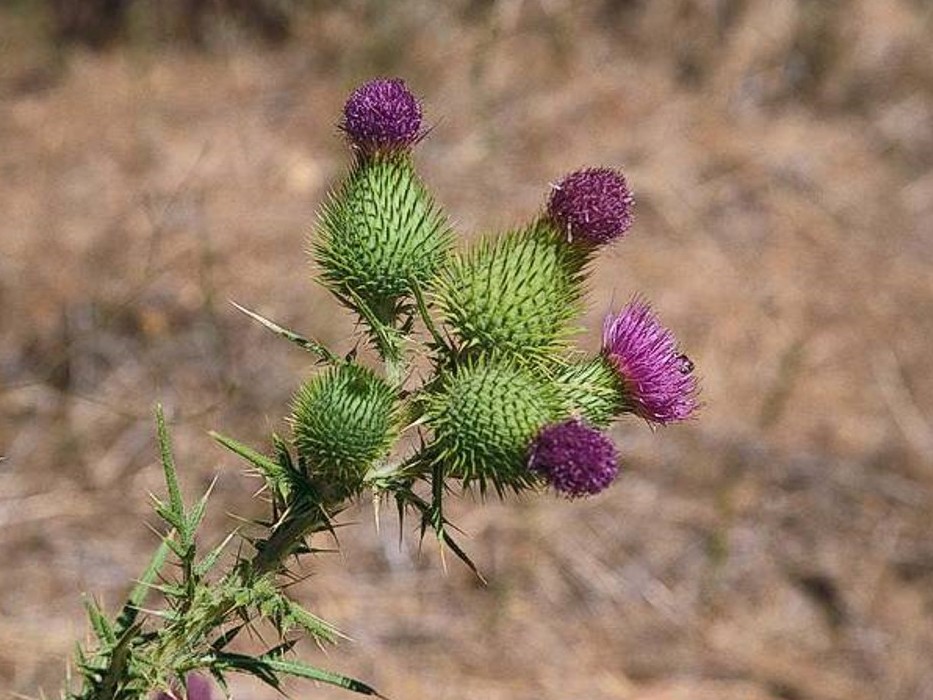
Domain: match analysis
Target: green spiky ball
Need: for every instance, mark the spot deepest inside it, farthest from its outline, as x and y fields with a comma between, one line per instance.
x=591, y=389
x=484, y=416
x=344, y=419
x=379, y=230
x=516, y=293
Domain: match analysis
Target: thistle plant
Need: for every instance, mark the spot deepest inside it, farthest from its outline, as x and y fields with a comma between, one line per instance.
x=506, y=405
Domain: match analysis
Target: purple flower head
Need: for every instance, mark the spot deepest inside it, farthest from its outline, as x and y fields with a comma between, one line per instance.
x=382, y=115
x=574, y=457
x=196, y=688
x=658, y=379
x=594, y=205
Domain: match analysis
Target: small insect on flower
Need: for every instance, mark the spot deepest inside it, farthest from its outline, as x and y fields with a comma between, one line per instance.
x=658, y=380
x=594, y=205
x=686, y=364
x=382, y=115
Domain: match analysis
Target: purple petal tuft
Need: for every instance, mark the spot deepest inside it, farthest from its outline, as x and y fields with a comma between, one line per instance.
x=575, y=458
x=196, y=688
x=594, y=205
x=199, y=687
x=658, y=379
x=382, y=115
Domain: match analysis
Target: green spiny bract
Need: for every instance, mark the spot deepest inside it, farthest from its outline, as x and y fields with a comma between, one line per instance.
x=381, y=231
x=591, y=389
x=344, y=419
x=514, y=294
x=484, y=415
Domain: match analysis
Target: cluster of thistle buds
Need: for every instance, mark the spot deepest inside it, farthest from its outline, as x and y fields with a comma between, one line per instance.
x=507, y=402
x=479, y=387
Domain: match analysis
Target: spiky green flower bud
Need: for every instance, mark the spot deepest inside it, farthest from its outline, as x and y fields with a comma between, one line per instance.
x=484, y=416
x=344, y=419
x=592, y=390
x=514, y=294
x=379, y=231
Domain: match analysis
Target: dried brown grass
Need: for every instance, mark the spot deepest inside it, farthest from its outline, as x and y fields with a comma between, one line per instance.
x=781, y=151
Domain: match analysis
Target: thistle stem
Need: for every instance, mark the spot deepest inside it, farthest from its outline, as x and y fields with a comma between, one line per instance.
x=283, y=541
x=426, y=317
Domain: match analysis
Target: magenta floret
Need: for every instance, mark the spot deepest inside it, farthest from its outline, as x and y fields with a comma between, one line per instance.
x=382, y=115
x=197, y=687
x=593, y=205
x=658, y=379
x=574, y=457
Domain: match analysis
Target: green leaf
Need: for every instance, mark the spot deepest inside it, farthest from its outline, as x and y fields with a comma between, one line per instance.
x=208, y=562
x=312, y=346
x=176, y=503
x=117, y=668
x=274, y=473
x=197, y=512
x=170, y=515
x=99, y=622
x=300, y=669
x=143, y=585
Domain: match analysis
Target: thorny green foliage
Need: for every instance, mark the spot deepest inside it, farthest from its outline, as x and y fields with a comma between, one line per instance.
x=206, y=608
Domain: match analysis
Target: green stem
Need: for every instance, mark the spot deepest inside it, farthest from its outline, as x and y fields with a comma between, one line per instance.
x=426, y=317
x=283, y=542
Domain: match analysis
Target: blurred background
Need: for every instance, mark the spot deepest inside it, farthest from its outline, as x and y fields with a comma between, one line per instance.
x=161, y=157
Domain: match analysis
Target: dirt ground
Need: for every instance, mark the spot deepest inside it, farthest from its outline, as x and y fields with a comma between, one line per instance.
x=781, y=150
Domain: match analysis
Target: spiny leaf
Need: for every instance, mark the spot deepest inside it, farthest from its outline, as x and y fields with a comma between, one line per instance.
x=197, y=512
x=131, y=608
x=300, y=669
x=312, y=346
x=208, y=562
x=119, y=656
x=176, y=504
x=99, y=622
x=169, y=514
x=275, y=474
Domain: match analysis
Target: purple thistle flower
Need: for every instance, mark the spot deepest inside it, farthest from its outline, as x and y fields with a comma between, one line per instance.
x=196, y=688
x=658, y=379
x=595, y=205
x=574, y=457
x=382, y=115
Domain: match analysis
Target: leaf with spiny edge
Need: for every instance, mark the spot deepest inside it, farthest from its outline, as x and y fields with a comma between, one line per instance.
x=308, y=344
x=210, y=559
x=99, y=623
x=196, y=515
x=273, y=472
x=143, y=585
x=175, y=506
x=266, y=668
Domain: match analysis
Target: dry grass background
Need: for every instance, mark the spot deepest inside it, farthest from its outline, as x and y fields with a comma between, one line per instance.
x=781, y=150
